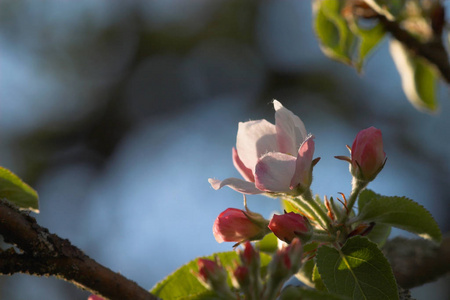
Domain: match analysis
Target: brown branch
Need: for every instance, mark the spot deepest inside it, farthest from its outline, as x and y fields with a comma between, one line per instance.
x=48, y=254
x=433, y=51
x=416, y=262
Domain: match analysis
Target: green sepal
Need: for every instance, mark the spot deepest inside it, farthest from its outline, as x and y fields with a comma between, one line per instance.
x=18, y=192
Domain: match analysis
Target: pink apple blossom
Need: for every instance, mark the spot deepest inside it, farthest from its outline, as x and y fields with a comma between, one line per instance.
x=235, y=225
x=272, y=158
x=368, y=157
x=290, y=225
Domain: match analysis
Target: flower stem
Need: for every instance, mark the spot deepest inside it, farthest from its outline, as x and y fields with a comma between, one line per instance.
x=357, y=187
x=302, y=206
x=322, y=216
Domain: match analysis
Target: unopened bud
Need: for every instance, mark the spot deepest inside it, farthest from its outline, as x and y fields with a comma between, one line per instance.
x=235, y=225
x=290, y=225
x=368, y=157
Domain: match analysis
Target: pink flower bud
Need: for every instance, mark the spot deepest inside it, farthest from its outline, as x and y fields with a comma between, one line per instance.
x=368, y=157
x=249, y=255
x=235, y=225
x=242, y=276
x=207, y=268
x=290, y=225
x=213, y=276
x=95, y=297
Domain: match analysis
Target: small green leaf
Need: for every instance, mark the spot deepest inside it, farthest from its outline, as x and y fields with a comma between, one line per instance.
x=295, y=292
x=183, y=285
x=379, y=234
x=399, y=212
x=335, y=37
x=305, y=274
x=359, y=270
x=369, y=39
x=268, y=244
x=419, y=79
x=318, y=283
x=17, y=192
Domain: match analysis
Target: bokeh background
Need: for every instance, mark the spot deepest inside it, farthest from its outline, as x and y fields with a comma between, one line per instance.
x=118, y=112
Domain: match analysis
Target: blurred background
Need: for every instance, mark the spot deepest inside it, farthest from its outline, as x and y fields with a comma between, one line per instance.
x=117, y=113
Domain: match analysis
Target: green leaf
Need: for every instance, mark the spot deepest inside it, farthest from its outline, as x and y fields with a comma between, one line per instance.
x=268, y=244
x=305, y=274
x=335, y=37
x=379, y=234
x=419, y=79
x=399, y=212
x=17, y=192
x=319, y=285
x=358, y=270
x=369, y=39
x=295, y=292
x=183, y=285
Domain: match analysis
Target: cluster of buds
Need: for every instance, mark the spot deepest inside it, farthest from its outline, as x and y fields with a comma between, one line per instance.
x=246, y=275
x=277, y=161
x=235, y=225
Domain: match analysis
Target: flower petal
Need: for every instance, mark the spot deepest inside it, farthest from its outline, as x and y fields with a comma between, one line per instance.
x=274, y=171
x=254, y=139
x=303, y=163
x=290, y=129
x=243, y=170
x=236, y=184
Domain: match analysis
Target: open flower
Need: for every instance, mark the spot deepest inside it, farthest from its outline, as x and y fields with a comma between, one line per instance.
x=272, y=158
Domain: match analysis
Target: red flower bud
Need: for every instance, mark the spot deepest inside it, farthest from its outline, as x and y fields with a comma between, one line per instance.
x=290, y=225
x=235, y=225
x=249, y=254
x=368, y=157
x=207, y=268
x=213, y=276
x=95, y=297
x=242, y=276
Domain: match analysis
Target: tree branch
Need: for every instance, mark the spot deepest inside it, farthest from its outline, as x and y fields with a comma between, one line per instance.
x=48, y=254
x=433, y=51
x=416, y=262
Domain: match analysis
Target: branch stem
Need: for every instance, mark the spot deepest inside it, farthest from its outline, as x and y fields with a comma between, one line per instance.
x=47, y=254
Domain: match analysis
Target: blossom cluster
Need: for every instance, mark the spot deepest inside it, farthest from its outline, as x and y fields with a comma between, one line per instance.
x=277, y=160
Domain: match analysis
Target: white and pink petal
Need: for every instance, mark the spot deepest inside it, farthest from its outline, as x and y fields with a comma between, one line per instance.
x=291, y=131
x=239, y=165
x=254, y=139
x=274, y=171
x=303, y=164
x=236, y=184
